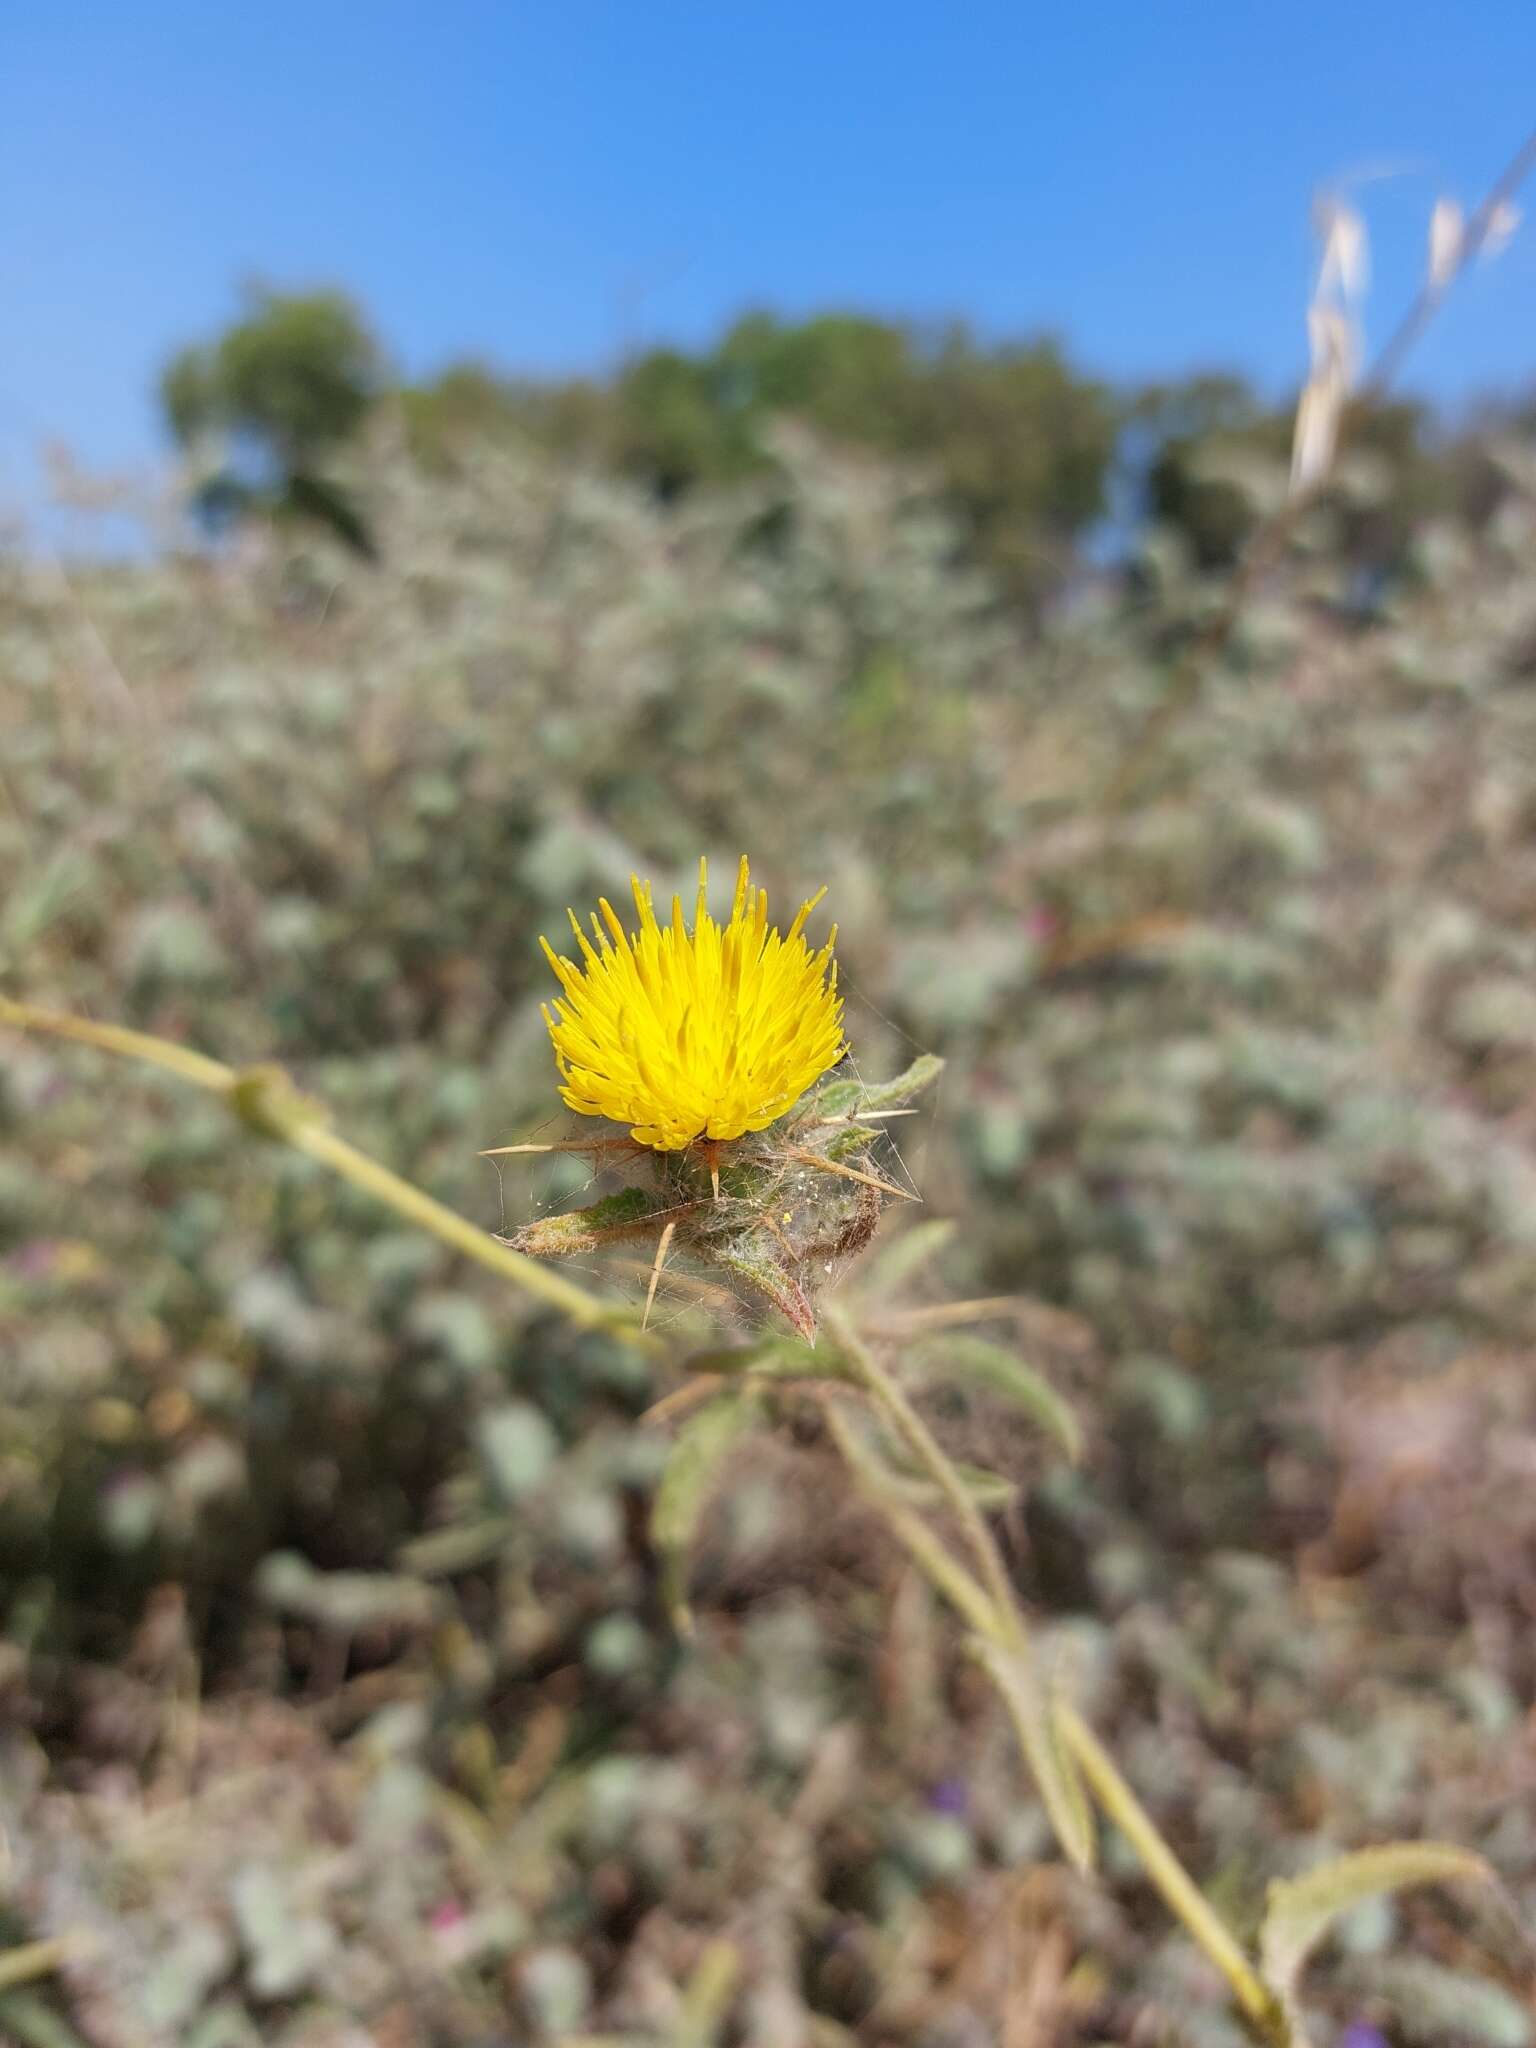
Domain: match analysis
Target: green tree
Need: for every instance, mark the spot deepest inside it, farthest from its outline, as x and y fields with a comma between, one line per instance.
x=270, y=401
x=1018, y=443
x=1024, y=445
x=1214, y=447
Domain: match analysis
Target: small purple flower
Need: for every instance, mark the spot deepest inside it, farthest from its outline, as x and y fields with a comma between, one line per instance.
x=951, y=1796
x=34, y=1260
x=1358, y=2035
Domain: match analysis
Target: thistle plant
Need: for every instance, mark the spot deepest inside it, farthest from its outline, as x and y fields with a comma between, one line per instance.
x=708, y=1043
x=717, y=1047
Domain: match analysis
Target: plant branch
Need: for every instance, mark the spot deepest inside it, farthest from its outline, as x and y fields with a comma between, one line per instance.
x=1181, y=1894
x=904, y=1418
x=926, y=1550
x=266, y=1101
x=992, y=1611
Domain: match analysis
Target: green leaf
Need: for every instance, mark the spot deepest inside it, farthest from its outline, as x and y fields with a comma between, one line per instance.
x=896, y=1471
x=698, y=1453
x=911, y=1482
x=1301, y=1910
x=958, y=1359
x=838, y=1098
x=769, y=1357
x=896, y=1094
x=763, y=1272
x=843, y=1097
x=608, y=1221
x=1054, y=1772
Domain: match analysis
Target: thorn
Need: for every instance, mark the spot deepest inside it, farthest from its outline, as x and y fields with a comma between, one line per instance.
x=869, y=1180
x=663, y=1246
x=706, y=1292
x=592, y=1145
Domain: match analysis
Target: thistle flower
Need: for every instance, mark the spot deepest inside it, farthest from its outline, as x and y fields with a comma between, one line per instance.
x=708, y=1033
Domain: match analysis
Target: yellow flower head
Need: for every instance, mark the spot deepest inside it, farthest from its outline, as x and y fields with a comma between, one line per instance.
x=694, y=1034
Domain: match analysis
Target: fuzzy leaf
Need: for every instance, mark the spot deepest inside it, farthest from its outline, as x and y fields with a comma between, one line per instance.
x=912, y=1484
x=609, y=1221
x=960, y=1358
x=843, y=1096
x=699, y=1450
x=838, y=1098
x=1301, y=1910
x=896, y=1094
x=769, y=1358
x=1055, y=1774
x=894, y=1470
x=764, y=1273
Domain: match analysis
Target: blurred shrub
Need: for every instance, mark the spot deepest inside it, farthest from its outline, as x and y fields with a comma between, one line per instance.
x=1217, y=456
x=1237, y=1103
x=1018, y=439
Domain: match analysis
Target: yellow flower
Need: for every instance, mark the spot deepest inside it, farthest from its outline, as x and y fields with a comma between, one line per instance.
x=695, y=1034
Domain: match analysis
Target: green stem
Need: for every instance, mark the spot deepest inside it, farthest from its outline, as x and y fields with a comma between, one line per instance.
x=905, y=1419
x=926, y=1550
x=264, y=1099
x=466, y=1237
x=1180, y=1893
x=993, y=1612
x=135, y=1045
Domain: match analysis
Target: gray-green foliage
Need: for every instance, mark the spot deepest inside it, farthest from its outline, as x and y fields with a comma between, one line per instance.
x=1235, y=1092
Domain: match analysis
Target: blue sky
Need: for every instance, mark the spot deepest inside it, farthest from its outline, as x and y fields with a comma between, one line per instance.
x=546, y=184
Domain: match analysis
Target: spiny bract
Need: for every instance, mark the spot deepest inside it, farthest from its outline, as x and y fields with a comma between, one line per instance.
x=707, y=1033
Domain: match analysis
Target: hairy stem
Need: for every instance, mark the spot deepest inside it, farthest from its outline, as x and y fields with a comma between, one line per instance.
x=994, y=1614
x=905, y=1419
x=264, y=1100
x=164, y=1053
x=1181, y=1894
x=927, y=1551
